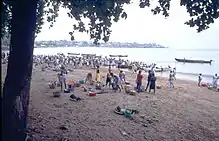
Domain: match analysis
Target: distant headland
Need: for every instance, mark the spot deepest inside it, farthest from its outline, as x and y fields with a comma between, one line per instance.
x=64, y=43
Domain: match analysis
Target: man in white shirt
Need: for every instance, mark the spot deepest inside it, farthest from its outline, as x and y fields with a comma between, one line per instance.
x=215, y=80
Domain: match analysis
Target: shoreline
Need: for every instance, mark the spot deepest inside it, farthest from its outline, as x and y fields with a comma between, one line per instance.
x=164, y=62
x=182, y=77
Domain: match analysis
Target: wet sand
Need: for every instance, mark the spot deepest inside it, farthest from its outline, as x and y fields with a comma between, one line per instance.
x=186, y=112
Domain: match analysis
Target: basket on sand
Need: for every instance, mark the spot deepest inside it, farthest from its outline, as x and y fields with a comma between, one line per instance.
x=132, y=92
x=77, y=84
x=158, y=86
x=210, y=87
x=98, y=86
x=127, y=83
x=127, y=88
x=92, y=82
x=52, y=85
x=57, y=94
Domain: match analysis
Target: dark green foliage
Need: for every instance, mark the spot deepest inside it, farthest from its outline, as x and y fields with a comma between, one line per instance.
x=40, y=14
x=5, y=18
x=203, y=12
x=101, y=14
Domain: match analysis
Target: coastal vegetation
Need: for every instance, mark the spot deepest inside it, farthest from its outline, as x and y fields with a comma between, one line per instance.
x=24, y=19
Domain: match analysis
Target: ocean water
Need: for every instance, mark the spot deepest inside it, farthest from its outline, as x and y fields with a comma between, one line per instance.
x=161, y=56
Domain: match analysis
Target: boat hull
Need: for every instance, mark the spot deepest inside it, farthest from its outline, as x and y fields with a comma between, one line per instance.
x=193, y=61
x=118, y=55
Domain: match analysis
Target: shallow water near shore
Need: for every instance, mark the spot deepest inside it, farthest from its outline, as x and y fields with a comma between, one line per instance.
x=160, y=56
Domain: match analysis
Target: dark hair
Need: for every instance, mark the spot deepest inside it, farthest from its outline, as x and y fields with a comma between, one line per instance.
x=139, y=72
x=121, y=71
x=98, y=71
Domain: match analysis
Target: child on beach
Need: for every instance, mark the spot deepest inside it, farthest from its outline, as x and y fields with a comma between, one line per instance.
x=199, y=79
x=98, y=78
x=152, y=83
x=139, y=81
x=89, y=78
x=170, y=80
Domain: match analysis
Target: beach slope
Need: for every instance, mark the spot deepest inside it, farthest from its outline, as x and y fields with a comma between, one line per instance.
x=183, y=113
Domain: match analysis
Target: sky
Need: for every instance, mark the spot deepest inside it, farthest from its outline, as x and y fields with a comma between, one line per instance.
x=143, y=27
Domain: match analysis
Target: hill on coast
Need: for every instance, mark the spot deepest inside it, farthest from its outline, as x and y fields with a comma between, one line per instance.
x=64, y=43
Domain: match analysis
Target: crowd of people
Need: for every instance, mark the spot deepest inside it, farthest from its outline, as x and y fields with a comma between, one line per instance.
x=61, y=62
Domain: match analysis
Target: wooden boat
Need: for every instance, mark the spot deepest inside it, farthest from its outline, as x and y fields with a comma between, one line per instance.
x=157, y=69
x=118, y=55
x=61, y=54
x=88, y=54
x=73, y=53
x=193, y=61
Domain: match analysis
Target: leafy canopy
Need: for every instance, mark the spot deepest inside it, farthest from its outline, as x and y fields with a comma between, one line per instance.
x=101, y=14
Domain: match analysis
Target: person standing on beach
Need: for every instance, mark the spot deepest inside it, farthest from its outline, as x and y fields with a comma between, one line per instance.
x=98, y=78
x=122, y=78
x=152, y=83
x=149, y=79
x=108, y=79
x=134, y=68
x=174, y=73
x=199, y=79
x=215, y=80
x=170, y=80
x=62, y=77
x=139, y=81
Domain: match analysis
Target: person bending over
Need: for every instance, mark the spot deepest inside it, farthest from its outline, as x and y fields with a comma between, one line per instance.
x=116, y=83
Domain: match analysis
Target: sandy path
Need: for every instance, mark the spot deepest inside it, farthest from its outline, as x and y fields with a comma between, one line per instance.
x=184, y=113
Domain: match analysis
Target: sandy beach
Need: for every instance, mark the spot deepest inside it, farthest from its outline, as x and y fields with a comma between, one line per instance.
x=186, y=113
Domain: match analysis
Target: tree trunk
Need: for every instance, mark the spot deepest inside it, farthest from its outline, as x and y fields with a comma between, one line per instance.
x=18, y=80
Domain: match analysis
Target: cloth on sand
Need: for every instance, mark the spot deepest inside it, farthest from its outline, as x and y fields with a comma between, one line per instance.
x=126, y=112
x=73, y=97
